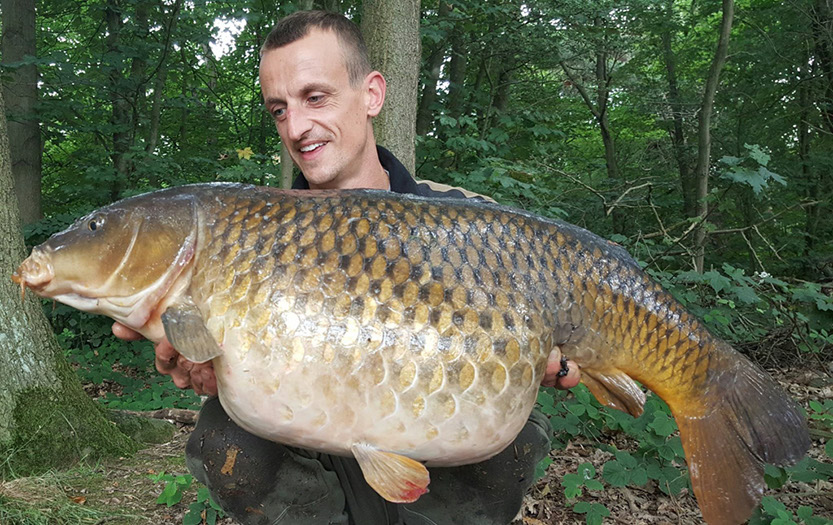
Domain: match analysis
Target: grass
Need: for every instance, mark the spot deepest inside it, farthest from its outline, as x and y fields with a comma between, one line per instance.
x=113, y=492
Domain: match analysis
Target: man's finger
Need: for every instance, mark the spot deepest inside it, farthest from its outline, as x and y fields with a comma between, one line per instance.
x=123, y=332
x=166, y=357
x=209, y=382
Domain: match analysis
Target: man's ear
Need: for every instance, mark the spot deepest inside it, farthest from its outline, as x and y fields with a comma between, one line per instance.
x=375, y=86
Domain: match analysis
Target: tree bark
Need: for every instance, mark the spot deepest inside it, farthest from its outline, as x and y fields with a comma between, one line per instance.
x=677, y=133
x=391, y=29
x=599, y=109
x=425, y=112
x=46, y=419
x=121, y=116
x=822, y=25
x=701, y=172
x=159, y=85
x=456, y=75
x=21, y=94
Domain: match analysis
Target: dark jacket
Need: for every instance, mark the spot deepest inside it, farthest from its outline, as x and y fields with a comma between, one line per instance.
x=402, y=182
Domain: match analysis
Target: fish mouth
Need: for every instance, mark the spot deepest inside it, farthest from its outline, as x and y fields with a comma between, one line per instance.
x=35, y=272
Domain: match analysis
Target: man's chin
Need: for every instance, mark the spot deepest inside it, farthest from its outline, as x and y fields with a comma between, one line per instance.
x=319, y=178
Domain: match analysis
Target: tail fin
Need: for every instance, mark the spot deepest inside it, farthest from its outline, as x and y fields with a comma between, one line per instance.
x=752, y=422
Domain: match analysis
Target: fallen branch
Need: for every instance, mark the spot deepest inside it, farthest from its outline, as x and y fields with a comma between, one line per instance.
x=180, y=415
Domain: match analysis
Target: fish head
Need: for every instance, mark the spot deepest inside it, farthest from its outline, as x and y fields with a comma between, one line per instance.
x=120, y=260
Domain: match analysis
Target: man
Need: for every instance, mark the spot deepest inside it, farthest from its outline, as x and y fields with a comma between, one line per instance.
x=318, y=86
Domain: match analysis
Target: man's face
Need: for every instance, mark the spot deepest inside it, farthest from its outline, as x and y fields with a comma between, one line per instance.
x=323, y=119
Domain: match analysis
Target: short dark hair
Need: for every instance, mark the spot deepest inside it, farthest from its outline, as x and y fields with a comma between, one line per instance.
x=297, y=25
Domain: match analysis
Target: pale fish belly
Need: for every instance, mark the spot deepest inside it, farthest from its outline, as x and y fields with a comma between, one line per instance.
x=312, y=404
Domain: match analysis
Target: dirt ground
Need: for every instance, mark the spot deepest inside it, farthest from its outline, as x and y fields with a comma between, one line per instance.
x=120, y=491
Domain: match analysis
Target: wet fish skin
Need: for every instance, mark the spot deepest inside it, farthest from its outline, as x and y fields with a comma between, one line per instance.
x=352, y=319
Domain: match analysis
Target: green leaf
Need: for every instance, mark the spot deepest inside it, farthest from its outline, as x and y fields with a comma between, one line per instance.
x=757, y=154
x=193, y=516
x=731, y=161
x=586, y=471
x=541, y=467
x=772, y=505
x=828, y=448
x=746, y=294
x=593, y=484
x=616, y=474
x=804, y=512
x=775, y=476
x=663, y=425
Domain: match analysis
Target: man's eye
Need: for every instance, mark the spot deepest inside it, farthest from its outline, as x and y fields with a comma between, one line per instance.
x=316, y=98
x=277, y=113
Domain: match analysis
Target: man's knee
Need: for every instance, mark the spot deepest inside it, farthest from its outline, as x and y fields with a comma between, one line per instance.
x=257, y=481
x=487, y=493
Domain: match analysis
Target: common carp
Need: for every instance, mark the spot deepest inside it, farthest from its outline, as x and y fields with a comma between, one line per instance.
x=409, y=332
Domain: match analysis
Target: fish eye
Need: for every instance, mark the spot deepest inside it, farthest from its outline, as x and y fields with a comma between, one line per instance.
x=95, y=223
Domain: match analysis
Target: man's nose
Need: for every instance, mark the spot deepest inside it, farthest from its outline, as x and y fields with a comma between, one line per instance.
x=297, y=124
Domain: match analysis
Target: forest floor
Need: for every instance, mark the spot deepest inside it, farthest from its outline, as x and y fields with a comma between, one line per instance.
x=121, y=491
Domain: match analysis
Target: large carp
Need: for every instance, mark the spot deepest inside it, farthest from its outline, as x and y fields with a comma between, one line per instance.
x=403, y=330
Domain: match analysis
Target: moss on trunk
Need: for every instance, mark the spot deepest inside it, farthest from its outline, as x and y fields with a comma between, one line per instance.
x=56, y=427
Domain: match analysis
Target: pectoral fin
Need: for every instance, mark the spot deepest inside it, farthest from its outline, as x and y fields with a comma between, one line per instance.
x=396, y=478
x=186, y=331
x=615, y=389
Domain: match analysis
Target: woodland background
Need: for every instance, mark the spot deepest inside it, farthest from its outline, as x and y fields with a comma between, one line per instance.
x=696, y=133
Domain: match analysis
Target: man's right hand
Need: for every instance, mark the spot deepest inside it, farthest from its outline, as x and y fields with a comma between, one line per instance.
x=185, y=373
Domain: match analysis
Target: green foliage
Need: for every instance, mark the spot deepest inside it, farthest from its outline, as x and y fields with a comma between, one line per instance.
x=175, y=486
x=124, y=369
x=751, y=169
x=583, y=477
x=773, y=512
x=204, y=510
x=594, y=511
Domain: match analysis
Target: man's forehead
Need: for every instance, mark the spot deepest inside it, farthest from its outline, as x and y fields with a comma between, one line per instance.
x=318, y=52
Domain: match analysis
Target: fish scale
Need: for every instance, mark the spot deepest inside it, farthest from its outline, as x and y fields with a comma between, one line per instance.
x=404, y=330
x=437, y=361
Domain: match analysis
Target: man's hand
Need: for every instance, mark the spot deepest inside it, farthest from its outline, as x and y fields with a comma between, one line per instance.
x=185, y=373
x=553, y=377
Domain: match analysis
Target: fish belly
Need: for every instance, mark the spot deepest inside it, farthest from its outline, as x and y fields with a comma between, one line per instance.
x=306, y=402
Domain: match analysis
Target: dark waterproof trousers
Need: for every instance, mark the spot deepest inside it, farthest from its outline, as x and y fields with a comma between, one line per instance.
x=260, y=482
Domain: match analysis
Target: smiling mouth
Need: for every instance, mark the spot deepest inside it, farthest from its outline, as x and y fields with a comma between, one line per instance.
x=311, y=147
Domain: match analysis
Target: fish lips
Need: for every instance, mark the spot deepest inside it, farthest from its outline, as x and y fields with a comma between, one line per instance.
x=35, y=272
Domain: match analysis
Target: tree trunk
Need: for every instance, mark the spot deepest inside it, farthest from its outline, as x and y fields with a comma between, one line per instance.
x=599, y=109
x=159, y=86
x=822, y=24
x=287, y=168
x=701, y=172
x=21, y=93
x=456, y=75
x=812, y=182
x=677, y=132
x=391, y=29
x=121, y=116
x=425, y=112
x=46, y=419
